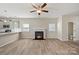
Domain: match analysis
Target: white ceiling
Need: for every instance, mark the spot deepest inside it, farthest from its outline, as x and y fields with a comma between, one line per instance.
x=23, y=10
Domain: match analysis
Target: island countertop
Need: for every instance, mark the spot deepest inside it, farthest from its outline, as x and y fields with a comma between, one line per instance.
x=7, y=33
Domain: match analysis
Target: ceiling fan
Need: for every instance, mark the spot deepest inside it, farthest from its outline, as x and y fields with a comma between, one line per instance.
x=39, y=8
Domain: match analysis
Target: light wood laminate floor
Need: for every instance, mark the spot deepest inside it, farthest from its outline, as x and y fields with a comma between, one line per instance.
x=40, y=47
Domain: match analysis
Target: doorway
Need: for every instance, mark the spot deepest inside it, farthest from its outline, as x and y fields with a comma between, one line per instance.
x=70, y=31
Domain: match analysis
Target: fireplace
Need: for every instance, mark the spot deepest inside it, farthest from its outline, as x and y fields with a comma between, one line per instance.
x=39, y=35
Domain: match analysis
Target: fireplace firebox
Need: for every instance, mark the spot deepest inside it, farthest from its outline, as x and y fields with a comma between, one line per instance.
x=39, y=35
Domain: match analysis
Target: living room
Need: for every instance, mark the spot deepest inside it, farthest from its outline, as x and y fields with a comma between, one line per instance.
x=51, y=27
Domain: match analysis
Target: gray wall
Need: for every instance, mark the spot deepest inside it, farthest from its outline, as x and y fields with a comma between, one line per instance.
x=36, y=23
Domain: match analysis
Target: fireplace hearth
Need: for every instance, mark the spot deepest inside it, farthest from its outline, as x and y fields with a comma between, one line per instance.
x=39, y=35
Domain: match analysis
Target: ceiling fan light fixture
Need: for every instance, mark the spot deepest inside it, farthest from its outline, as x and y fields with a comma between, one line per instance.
x=39, y=8
x=38, y=11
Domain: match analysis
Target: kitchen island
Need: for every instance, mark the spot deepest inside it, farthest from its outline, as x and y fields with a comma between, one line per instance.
x=8, y=37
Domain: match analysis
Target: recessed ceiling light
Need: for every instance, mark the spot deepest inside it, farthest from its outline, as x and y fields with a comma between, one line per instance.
x=5, y=10
x=5, y=21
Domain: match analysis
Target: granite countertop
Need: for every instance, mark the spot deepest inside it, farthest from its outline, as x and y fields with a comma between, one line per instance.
x=8, y=33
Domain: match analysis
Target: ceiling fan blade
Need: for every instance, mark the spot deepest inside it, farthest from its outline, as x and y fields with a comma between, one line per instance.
x=44, y=11
x=33, y=11
x=34, y=6
x=43, y=5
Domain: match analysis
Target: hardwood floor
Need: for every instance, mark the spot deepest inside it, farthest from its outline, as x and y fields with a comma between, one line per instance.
x=40, y=47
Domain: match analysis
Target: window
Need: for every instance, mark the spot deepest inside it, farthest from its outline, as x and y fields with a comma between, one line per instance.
x=26, y=27
x=52, y=27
